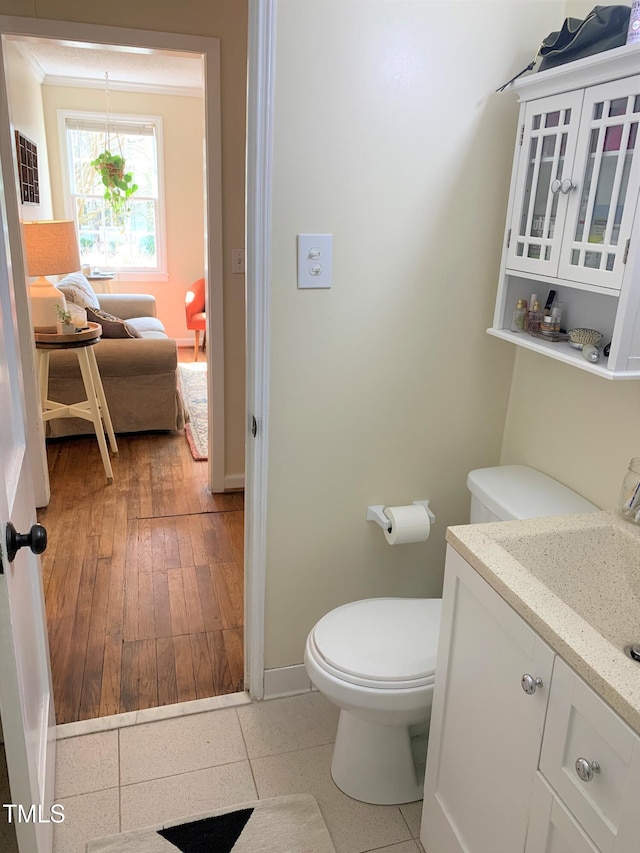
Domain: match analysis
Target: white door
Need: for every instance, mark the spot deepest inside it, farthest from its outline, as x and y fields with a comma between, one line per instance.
x=26, y=699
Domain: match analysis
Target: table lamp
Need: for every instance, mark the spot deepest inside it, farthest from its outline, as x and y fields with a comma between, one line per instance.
x=52, y=249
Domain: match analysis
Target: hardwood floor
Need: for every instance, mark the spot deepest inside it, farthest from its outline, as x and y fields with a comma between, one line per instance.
x=143, y=579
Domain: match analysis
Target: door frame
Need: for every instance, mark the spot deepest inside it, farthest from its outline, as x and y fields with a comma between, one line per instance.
x=260, y=95
x=124, y=38
x=261, y=84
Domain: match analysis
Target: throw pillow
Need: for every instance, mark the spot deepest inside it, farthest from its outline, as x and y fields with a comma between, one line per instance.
x=77, y=289
x=112, y=327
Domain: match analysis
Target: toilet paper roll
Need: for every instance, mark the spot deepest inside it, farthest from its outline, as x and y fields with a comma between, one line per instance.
x=408, y=524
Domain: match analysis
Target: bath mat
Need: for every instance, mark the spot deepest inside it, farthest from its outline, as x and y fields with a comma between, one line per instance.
x=192, y=384
x=278, y=825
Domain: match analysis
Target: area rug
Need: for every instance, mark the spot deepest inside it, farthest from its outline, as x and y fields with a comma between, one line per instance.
x=192, y=384
x=279, y=825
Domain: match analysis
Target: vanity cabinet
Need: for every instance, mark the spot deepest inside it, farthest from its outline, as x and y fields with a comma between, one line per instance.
x=573, y=207
x=552, y=769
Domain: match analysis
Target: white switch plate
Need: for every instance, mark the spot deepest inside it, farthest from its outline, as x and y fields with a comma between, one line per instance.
x=315, y=253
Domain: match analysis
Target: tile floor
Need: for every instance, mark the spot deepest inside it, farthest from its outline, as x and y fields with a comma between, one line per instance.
x=121, y=779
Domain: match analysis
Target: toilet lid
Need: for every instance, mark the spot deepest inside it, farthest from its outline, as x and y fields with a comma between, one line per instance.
x=381, y=639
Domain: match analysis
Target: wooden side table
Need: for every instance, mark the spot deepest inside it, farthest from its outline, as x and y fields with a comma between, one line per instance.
x=94, y=408
x=105, y=278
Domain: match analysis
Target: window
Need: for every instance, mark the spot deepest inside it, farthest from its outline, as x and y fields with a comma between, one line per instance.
x=129, y=242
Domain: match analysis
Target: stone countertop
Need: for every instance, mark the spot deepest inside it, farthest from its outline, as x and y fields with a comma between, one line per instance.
x=580, y=592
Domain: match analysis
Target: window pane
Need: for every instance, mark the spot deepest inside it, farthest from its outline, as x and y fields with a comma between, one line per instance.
x=106, y=243
x=115, y=238
x=618, y=107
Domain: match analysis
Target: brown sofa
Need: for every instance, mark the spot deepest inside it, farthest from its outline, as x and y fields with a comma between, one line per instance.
x=138, y=374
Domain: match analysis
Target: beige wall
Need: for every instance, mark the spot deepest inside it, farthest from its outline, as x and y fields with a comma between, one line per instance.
x=183, y=141
x=27, y=116
x=227, y=21
x=580, y=429
x=385, y=389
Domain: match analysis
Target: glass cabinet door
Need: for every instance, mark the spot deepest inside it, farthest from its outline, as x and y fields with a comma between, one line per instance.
x=602, y=200
x=548, y=149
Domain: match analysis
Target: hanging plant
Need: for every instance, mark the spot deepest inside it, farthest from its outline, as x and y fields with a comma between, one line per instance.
x=119, y=186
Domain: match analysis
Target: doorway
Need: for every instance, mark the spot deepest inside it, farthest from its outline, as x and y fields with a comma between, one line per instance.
x=151, y=647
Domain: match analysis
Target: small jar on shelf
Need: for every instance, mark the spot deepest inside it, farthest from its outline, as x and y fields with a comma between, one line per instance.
x=534, y=318
x=519, y=315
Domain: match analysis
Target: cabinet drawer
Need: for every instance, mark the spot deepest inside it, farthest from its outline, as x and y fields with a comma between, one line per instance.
x=551, y=827
x=580, y=725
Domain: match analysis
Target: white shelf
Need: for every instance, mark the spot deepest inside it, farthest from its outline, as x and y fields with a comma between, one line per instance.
x=554, y=281
x=562, y=351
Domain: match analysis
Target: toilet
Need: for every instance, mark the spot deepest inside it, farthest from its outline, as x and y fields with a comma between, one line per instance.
x=376, y=658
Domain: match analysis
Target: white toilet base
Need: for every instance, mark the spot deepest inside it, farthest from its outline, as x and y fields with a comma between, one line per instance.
x=373, y=763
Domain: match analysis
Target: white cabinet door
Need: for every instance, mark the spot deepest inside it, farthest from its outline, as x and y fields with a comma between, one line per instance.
x=551, y=827
x=606, y=179
x=540, y=200
x=486, y=731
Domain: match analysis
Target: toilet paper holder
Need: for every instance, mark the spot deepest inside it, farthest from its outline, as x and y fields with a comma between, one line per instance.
x=376, y=513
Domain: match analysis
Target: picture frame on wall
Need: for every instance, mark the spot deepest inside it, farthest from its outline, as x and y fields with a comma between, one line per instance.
x=27, y=154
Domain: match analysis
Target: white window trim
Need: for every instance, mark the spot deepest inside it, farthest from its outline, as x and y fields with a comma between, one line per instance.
x=162, y=273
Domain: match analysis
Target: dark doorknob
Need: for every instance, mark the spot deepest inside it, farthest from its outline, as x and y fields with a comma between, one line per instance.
x=35, y=539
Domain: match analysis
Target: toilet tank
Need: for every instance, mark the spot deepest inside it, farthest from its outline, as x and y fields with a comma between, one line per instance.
x=508, y=492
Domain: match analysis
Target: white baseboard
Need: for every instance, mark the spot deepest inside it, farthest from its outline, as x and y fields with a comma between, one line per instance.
x=185, y=342
x=233, y=481
x=286, y=681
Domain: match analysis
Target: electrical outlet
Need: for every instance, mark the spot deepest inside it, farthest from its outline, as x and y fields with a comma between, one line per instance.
x=237, y=260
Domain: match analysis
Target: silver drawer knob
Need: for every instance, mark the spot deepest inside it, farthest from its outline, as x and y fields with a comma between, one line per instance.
x=586, y=769
x=530, y=684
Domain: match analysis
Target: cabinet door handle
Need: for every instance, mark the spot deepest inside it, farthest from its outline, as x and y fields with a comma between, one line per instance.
x=530, y=684
x=586, y=769
x=566, y=186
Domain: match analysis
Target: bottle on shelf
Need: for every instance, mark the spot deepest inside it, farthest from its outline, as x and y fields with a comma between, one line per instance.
x=519, y=315
x=534, y=318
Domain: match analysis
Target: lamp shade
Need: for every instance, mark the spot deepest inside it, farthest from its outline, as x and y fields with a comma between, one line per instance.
x=51, y=248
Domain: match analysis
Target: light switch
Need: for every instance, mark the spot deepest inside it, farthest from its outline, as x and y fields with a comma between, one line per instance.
x=315, y=260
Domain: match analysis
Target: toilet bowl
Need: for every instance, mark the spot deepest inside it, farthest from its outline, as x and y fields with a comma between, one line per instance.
x=376, y=658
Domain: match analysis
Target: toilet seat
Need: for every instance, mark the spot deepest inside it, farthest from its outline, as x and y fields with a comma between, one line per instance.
x=381, y=643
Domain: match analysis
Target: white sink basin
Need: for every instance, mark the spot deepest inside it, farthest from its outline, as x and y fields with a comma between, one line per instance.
x=596, y=572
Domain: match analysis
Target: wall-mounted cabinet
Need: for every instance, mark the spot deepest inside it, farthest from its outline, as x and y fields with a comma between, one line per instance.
x=573, y=218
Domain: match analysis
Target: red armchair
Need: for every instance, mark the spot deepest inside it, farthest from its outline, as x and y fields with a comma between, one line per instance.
x=194, y=305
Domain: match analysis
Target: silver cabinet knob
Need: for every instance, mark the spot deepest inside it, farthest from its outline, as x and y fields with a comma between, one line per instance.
x=586, y=769
x=530, y=684
x=555, y=186
x=568, y=185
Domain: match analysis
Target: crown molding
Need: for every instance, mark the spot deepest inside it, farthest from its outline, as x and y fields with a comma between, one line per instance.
x=120, y=86
x=29, y=58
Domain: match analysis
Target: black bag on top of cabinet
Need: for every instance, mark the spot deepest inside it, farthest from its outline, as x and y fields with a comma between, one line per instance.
x=605, y=27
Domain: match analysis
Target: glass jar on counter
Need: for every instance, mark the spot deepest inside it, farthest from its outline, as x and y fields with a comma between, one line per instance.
x=630, y=492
